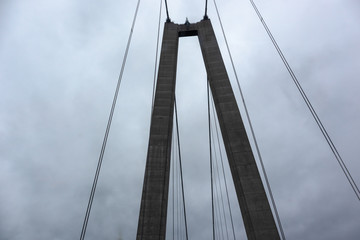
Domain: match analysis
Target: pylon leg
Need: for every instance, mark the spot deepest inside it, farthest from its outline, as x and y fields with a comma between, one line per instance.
x=152, y=219
x=256, y=212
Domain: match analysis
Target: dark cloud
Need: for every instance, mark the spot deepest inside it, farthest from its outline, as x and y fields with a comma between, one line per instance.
x=59, y=62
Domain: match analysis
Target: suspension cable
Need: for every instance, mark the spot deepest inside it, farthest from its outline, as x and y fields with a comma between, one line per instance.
x=205, y=15
x=173, y=187
x=218, y=221
x=180, y=165
x=96, y=177
x=217, y=182
x=178, y=216
x=156, y=59
x=211, y=165
x=309, y=105
x=223, y=170
x=155, y=67
x=218, y=189
x=167, y=12
x=178, y=203
x=252, y=130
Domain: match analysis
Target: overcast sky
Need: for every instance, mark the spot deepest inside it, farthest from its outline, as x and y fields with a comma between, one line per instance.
x=59, y=63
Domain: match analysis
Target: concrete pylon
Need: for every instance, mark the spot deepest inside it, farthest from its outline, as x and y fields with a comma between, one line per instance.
x=255, y=209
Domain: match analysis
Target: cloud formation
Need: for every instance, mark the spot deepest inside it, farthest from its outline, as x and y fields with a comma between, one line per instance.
x=59, y=62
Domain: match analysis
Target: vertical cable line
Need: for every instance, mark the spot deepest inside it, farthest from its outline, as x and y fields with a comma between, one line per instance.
x=180, y=165
x=178, y=200
x=205, y=15
x=218, y=190
x=309, y=105
x=167, y=12
x=177, y=192
x=211, y=165
x=156, y=59
x=173, y=190
x=218, y=180
x=252, y=131
x=223, y=170
x=96, y=177
x=218, y=223
x=155, y=66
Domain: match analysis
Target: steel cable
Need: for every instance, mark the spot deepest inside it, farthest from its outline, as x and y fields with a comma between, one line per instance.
x=180, y=165
x=309, y=105
x=156, y=58
x=211, y=165
x=167, y=12
x=218, y=190
x=206, y=4
x=103, y=147
x=219, y=181
x=223, y=170
x=173, y=189
x=252, y=130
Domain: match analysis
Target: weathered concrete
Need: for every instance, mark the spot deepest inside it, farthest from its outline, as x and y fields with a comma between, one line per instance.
x=152, y=219
x=258, y=219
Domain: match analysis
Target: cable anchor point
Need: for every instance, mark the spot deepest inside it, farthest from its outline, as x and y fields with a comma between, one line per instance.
x=187, y=21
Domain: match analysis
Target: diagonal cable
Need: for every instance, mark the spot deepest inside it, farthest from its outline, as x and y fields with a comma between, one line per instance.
x=309, y=105
x=211, y=165
x=218, y=189
x=156, y=58
x=252, y=131
x=223, y=170
x=96, y=177
x=167, y=12
x=173, y=188
x=180, y=165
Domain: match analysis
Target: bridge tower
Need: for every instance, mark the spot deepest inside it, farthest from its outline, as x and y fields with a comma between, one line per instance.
x=255, y=209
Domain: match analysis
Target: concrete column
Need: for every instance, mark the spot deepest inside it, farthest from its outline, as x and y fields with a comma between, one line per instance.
x=258, y=219
x=153, y=210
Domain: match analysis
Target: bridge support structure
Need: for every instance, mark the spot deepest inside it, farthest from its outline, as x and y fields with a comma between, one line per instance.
x=255, y=209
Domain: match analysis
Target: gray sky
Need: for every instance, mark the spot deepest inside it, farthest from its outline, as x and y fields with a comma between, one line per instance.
x=59, y=63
